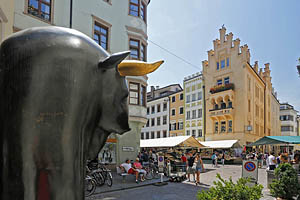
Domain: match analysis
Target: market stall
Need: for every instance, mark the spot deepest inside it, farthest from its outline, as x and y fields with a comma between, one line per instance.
x=231, y=148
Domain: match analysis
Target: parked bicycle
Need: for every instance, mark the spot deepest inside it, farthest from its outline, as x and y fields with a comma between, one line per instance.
x=106, y=173
x=152, y=171
x=90, y=186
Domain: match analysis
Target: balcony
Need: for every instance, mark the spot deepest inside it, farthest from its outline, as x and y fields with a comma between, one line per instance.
x=221, y=88
x=226, y=113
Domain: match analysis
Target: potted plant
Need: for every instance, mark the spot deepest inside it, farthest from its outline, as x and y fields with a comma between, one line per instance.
x=228, y=190
x=286, y=185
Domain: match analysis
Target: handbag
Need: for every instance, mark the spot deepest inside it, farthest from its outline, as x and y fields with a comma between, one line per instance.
x=194, y=166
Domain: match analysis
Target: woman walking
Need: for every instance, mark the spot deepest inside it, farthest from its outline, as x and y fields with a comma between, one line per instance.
x=199, y=167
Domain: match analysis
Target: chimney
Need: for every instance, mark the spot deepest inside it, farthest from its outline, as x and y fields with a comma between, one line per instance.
x=260, y=72
x=157, y=87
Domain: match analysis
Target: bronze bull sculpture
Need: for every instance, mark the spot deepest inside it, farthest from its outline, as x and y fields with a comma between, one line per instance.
x=61, y=96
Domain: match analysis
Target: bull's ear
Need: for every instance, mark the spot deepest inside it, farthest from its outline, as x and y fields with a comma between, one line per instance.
x=113, y=60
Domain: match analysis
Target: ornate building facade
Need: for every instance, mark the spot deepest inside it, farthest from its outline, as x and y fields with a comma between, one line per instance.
x=238, y=94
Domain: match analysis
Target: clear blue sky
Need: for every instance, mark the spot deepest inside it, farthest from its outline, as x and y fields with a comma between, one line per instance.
x=271, y=28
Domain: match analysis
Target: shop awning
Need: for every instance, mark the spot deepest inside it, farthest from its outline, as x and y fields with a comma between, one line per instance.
x=185, y=141
x=221, y=144
x=276, y=140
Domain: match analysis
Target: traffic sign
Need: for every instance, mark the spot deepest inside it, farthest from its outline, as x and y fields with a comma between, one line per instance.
x=249, y=170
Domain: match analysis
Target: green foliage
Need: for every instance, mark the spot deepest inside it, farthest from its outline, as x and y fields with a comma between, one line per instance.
x=228, y=190
x=286, y=184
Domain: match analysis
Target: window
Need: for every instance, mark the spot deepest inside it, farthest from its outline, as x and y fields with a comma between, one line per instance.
x=188, y=98
x=152, y=109
x=173, y=112
x=216, y=127
x=158, y=134
x=188, y=132
x=223, y=126
x=180, y=125
x=229, y=126
x=147, y=125
x=158, y=121
x=165, y=107
x=143, y=96
x=134, y=6
x=223, y=105
x=173, y=99
x=142, y=136
x=249, y=105
x=148, y=110
x=164, y=119
x=256, y=111
x=181, y=110
x=143, y=12
x=249, y=84
x=216, y=106
x=173, y=127
x=164, y=134
x=222, y=64
x=158, y=108
x=200, y=133
x=143, y=52
x=193, y=97
x=152, y=135
x=199, y=95
x=147, y=135
x=188, y=115
x=194, y=114
x=181, y=96
x=218, y=66
x=134, y=93
x=134, y=46
x=199, y=113
x=227, y=62
x=40, y=8
x=152, y=122
x=101, y=35
x=219, y=82
x=226, y=80
x=194, y=133
x=229, y=104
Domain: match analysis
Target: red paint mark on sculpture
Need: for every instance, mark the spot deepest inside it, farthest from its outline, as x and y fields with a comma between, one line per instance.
x=43, y=186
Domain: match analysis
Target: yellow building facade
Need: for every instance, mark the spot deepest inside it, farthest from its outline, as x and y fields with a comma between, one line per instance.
x=6, y=18
x=177, y=114
x=238, y=95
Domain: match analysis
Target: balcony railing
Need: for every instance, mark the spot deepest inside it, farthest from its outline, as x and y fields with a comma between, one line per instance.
x=221, y=88
x=227, y=111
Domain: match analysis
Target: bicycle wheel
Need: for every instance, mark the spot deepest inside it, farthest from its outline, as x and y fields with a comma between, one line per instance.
x=155, y=174
x=109, y=180
x=98, y=177
x=149, y=175
x=90, y=187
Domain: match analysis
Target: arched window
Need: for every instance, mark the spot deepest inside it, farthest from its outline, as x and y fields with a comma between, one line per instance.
x=223, y=105
x=229, y=104
x=216, y=107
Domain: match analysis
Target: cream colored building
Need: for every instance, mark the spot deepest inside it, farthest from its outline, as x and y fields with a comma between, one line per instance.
x=6, y=18
x=193, y=106
x=238, y=94
x=275, y=113
x=116, y=26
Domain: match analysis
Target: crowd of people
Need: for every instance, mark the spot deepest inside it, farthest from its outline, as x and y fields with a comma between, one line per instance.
x=270, y=159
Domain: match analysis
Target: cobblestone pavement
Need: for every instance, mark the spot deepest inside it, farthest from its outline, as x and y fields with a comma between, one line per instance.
x=185, y=190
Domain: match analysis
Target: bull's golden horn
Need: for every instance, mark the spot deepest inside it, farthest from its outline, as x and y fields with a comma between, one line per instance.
x=137, y=68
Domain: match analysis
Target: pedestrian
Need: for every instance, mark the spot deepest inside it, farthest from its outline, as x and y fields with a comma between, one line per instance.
x=266, y=157
x=199, y=166
x=223, y=158
x=184, y=161
x=272, y=161
x=190, y=170
x=259, y=159
x=216, y=159
x=213, y=159
x=278, y=159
